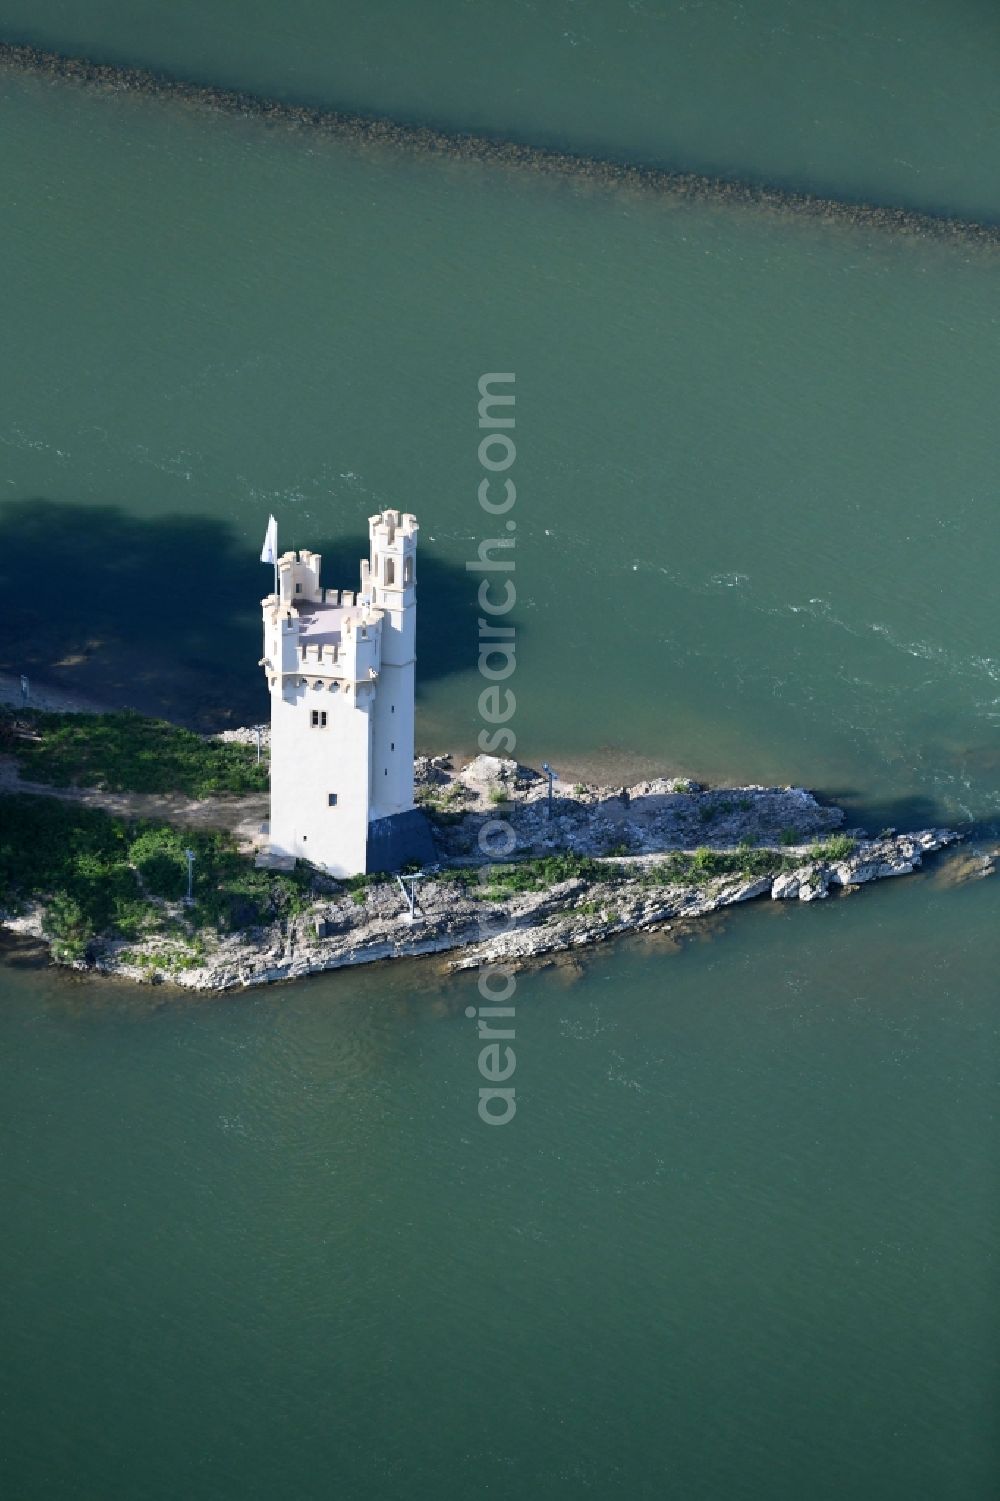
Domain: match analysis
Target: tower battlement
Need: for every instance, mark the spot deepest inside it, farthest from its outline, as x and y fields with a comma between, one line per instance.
x=387, y=525
x=298, y=576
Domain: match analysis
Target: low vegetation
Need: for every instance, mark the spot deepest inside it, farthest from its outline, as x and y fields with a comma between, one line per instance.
x=126, y=752
x=442, y=804
x=683, y=868
x=539, y=875
x=837, y=847
x=497, y=882
x=679, y=868
x=106, y=877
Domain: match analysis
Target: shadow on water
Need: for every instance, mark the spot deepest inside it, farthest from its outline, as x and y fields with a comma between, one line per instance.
x=163, y=614
x=916, y=810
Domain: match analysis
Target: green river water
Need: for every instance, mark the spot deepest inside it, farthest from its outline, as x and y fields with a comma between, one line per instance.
x=740, y=1239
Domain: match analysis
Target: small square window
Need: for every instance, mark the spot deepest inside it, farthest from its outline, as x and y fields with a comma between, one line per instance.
x=298, y=588
x=322, y=719
x=392, y=745
x=331, y=799
x=315, y=718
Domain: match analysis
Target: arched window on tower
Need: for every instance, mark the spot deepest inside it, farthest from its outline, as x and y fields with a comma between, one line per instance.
x=408, y=569
x=389, y=568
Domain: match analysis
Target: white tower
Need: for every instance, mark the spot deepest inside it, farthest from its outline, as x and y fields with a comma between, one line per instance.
x=340, y=668
x=391, y=578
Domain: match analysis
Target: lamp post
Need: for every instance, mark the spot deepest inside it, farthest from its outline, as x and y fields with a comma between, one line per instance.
x=189, y=857
x=257, y=732
x=552, y=775
x=24, y=691
x=406, y=886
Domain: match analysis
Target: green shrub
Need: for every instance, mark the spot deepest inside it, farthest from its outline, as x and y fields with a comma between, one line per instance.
x=538, y=875
x=764, y=862
x=130, y=915
x=838, y=847
x=158, y=856
x=789, y=836
x=681, y=868
x=450, y=875
x=187, y=954
x=841, y=847
x=67, y=925
x=706, y=862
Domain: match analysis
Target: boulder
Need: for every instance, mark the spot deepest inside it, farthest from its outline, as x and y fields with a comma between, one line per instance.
x=484, y=771
x=815, y=886
x=809, y=883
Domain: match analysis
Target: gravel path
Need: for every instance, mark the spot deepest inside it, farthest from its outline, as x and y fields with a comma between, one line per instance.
x=242, y=816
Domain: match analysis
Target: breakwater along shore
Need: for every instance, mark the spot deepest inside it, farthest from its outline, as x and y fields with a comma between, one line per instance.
x=593, y=864
x=600, y=172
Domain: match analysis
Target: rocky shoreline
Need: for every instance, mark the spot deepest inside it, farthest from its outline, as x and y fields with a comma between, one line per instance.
x=597, y=863
x=373, y=131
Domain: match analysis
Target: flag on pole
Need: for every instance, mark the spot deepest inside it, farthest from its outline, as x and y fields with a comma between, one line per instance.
x=269, y=552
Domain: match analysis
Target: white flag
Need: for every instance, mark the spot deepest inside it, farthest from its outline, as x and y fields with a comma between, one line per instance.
x=269, y=552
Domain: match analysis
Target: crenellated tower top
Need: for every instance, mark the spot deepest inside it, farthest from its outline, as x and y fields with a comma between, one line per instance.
x=389, y=574
x=298, y=577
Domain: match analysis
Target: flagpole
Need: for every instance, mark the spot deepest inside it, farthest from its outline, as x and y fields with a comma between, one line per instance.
x=269, y=552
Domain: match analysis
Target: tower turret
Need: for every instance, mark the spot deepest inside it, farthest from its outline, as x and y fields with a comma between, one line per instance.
x=391, y=579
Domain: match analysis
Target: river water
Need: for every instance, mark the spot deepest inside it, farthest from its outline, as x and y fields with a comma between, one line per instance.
x=738, y=1240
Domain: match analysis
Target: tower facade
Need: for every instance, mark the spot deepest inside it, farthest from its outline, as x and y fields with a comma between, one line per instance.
x=340, y=667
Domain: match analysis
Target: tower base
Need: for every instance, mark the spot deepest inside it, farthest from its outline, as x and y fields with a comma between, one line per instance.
x=400, y=839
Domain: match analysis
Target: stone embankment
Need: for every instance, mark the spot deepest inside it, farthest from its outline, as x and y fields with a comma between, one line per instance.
x=596, y=863
x=378, y=133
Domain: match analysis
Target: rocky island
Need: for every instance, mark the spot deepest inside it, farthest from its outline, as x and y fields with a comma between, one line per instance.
x=519, y=873
x=602, y=862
